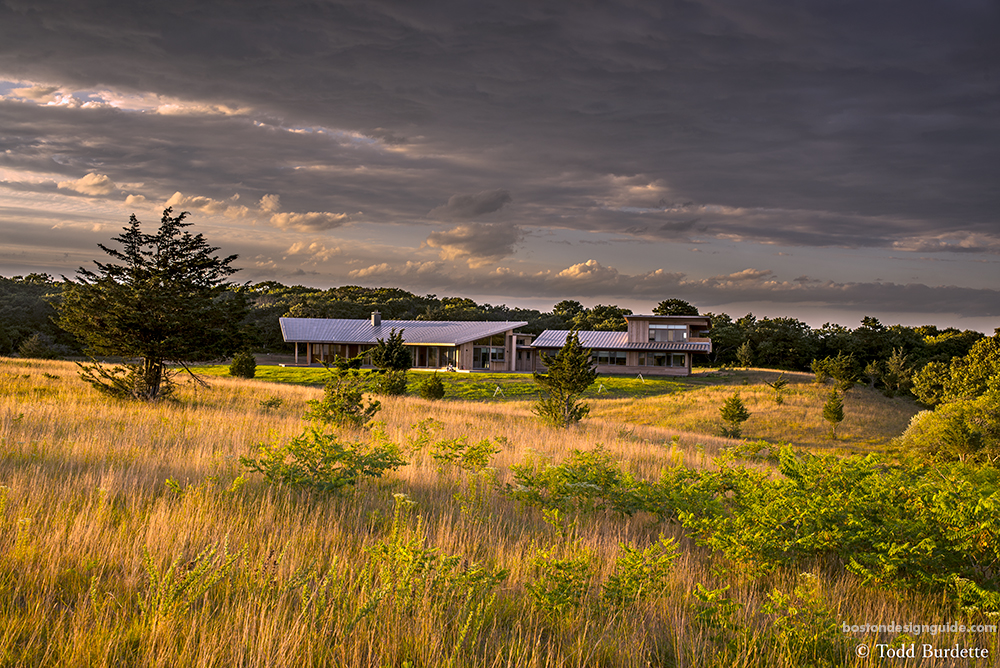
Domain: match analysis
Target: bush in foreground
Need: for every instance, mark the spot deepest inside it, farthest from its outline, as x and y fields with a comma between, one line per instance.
x=244, y=365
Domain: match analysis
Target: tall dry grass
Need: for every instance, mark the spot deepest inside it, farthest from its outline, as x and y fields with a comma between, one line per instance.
x=871, y=419
x=106, y=506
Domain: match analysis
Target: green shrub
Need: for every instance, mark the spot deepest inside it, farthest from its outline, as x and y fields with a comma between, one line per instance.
x=38, y=346
x=388, y=383
x=271, y=403
x=560, y=584
x=343, y=400
x=587, y=481
x=321, y=461
x=244, y=365
x=804, y=630
x=964, y=430
x=641, y=574
x=431, y=388
x=842, y=368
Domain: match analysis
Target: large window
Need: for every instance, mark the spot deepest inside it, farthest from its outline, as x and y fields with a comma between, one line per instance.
x=612, y=357
x=483, y=355
x=650, y=358
x=668, y=332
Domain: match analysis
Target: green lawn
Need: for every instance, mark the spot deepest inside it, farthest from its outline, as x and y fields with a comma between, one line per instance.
x=481, y=386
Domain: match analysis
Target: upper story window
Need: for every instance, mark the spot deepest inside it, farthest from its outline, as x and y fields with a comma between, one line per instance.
x=668, y=332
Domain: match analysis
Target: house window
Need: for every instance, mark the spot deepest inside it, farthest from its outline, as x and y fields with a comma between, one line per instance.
x=668, y=333
x=608, y=357
x=647, y=358
x=678, y=360
x=482, y=356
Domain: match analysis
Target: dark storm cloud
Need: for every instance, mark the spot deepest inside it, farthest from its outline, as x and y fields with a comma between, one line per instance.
x=476, y=243
x=467, y=207
x=593, y=281
x=813, y=124
x=888, y=110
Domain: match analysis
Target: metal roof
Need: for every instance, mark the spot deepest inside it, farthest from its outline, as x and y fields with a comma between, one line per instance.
x=556, y=338
x=416, y=332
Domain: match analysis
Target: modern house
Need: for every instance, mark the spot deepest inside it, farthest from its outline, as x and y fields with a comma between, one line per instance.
x=480, y=346
x=653, y=345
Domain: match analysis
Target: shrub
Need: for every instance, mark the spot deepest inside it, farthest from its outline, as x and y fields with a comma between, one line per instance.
x=587, y=481
x=779, y=385
x=560, y=584
x=966, y=430
x=388, y=382
x=244, y=365
x=431, y=388
x=641, y=574
x=391, y=353
x=38, y=346
x=343, y=400
x=321, y=461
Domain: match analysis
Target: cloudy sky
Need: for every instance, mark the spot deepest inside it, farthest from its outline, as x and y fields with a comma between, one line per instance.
x=819, y=159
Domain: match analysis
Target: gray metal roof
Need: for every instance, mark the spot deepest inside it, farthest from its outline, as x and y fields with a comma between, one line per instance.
x=416, y=332
x=556, y=338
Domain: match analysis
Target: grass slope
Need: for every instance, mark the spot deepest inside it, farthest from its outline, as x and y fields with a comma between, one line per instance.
x=129, y=535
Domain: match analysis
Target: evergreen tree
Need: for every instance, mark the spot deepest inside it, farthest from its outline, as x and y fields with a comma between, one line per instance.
x=391, y=354
x=734, y=413
x=833, y=411
x=164, y=300
x=570, y=373
x=392, y=358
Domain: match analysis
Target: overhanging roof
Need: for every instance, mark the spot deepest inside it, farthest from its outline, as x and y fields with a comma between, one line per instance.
x=415, y=332
x=556, y=338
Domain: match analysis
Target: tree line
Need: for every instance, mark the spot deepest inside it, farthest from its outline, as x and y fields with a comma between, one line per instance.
x=28, y=322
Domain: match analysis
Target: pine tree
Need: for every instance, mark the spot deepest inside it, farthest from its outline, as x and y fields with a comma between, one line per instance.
x=392, y=358
x=569, y=375
x=165, y=300
x=734, y=413
x=833, y=411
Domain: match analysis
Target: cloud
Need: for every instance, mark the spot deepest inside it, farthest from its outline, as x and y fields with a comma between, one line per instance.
x=467, y=207
x=317, y=251
x=476, y=243
x=135, y=200
x=213, y=207
x=91, y=184
x=312, y=221
x=270, y=203
x=386, y=271
x=37, y=93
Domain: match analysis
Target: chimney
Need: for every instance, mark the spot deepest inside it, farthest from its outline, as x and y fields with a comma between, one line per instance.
x=376, y=319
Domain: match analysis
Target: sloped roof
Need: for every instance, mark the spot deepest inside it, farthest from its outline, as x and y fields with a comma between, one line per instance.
x=416, y=332
x=556, y=338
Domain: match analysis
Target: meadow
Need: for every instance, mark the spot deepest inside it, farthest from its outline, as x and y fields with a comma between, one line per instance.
x=134, y=535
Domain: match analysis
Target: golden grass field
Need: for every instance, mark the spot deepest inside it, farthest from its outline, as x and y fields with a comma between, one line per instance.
x=106, y=506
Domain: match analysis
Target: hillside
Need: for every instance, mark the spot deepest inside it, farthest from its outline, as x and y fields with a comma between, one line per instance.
x=133, y=535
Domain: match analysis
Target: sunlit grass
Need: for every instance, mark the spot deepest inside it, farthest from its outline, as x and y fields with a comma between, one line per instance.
x=88, y=486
